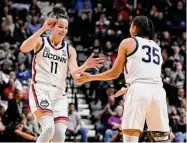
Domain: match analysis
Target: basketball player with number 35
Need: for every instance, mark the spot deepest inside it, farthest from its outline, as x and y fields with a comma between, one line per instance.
x=145, y=98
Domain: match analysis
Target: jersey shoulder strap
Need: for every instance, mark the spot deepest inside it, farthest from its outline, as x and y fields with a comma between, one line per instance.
x=67, y=46
x=42, y=45
x=137, y=45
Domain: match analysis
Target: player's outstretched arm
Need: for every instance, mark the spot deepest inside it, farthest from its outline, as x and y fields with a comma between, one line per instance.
x=89, y=63
x=34, y=41
x=117, y=68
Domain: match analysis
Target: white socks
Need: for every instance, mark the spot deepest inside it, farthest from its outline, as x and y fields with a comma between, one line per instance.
x=127, y=139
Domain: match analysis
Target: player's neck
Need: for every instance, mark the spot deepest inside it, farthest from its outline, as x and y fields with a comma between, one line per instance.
x=54, y=40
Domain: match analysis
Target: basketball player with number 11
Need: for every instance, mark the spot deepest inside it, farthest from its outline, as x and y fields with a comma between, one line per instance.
x=52, y=58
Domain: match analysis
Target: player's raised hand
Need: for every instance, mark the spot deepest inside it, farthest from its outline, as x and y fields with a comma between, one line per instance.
x=94, y=62
x=49, y=23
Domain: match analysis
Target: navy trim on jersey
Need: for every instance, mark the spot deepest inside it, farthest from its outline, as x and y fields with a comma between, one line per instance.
x=135, y=48
x=33, y=68
x=68, y=50
x=42, y=46
x=63, y=44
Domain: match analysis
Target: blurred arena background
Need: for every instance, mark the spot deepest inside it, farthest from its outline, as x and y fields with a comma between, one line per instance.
x=95, y=26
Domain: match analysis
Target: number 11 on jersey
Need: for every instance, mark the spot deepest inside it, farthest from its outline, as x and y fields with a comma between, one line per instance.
x=54, y=66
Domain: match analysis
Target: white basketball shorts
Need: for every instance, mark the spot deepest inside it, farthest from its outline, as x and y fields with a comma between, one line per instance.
x=145, y=101
x=48, y=98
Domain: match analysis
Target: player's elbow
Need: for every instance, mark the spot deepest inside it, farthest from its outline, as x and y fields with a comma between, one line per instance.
x=26, y=46
x=23, y=49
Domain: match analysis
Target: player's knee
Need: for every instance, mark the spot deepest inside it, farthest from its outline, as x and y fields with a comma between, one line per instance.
x=131, y=132
x=59, y=135
x=49, y=130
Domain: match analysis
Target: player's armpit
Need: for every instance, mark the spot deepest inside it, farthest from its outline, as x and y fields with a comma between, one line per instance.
x=39, y=45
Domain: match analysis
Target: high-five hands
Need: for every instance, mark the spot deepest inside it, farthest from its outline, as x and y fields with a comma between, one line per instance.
x=91, y=62
x=83, y=78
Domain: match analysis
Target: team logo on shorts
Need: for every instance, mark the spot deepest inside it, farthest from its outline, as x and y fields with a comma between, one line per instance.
x=44, y=103
x=46, y=49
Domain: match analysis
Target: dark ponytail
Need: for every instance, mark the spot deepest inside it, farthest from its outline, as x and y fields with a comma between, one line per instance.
x=58, y=13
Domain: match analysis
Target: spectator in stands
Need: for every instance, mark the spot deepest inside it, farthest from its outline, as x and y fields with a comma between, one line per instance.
x=34, y=9
x=177, y=75
x=10, y=89
x=14, y=109
x=2, y=128
x=102, y=24
x=32, y=27
x=21, y=134
x=20, y=33
x=2, y=57
x=177, y=14
x=18, y=84
x=105, y=113
x=4, y=79
x=113, y=123
x=180, y=96
x=25, y=58
x=96, y=48
x=177, y=55
x=25, y=100
x=83, y=5
x=8, y=52
x=166, y=40
x=23, y=74
x=98, y=10
x=74, y=126
x=8, y=25
x=122, y=6
x=120, y=27
x=32, y=125
x=108, y=48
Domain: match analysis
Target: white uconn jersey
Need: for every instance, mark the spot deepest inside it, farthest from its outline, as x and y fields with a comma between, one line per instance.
x=50, y=65
x=144, y=64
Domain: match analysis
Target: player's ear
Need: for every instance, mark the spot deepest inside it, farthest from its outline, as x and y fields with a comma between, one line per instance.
x=134, y=29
